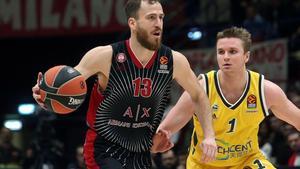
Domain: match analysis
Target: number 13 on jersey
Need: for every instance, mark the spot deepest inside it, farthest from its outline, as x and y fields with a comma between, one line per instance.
x=142, y=87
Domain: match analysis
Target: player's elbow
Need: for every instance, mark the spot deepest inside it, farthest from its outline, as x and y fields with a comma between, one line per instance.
x=295, y=123
x=197, y=96
x=297, y=126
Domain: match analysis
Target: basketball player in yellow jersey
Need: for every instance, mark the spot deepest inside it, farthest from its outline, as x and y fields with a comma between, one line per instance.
x=240, y=100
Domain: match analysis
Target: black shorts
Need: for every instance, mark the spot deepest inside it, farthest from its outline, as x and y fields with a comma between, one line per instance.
x=100, y=153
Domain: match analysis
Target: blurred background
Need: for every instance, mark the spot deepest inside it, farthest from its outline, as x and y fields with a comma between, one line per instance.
x=38, y=34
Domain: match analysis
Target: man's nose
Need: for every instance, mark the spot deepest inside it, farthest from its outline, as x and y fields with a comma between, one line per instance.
x=226, y=56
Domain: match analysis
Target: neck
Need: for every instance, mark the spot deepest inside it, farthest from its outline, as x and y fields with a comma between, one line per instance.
x=142, y=53
x=233, y=80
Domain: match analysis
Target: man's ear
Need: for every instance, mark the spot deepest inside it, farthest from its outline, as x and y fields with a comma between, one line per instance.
x=247, y=57
x=132, y=23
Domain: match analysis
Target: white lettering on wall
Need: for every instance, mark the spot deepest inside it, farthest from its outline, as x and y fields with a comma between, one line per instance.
x=120, y=12
x=30, y=15
x=44, y=16
x=101, y=12
x=74, y=10
x=10, y=13
x=49, y=18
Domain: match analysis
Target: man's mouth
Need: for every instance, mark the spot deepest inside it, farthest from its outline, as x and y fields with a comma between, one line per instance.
x=156, y=33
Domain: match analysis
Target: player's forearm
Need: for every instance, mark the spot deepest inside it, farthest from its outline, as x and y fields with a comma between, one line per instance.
x=175, y=120
x=179, y=115
x=203, y=112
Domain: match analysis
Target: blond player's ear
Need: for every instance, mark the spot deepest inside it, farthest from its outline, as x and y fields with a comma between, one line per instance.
x=247, y=56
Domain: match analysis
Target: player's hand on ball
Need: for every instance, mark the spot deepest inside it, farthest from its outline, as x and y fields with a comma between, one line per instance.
x=209, y=150
x=161, y=142
x=36, y=91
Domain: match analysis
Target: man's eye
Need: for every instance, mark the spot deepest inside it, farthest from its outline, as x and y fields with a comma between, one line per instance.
x=233, y=51
x=152, y=17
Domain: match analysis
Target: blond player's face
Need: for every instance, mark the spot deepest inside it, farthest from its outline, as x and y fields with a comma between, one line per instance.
x=231, y=55
x=150, y=25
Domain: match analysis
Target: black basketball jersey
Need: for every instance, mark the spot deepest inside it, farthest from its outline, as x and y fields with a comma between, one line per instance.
x=135, y=97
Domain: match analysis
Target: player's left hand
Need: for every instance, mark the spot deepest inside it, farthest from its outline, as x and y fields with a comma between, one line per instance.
x=209, y=149
x=161, y=142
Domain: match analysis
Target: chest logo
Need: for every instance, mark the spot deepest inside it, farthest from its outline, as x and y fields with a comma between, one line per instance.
x=251, y=101
x=215, y=107
x=163, y=60
x=251, y=104
x=163, y=67
x=121, y=57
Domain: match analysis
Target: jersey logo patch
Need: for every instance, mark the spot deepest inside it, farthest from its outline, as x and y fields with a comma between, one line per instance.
x=228, y=150
x=121, y=57
x=215, y=107
x=251, y=103
x=163, y=60
x=214, y=116
x=163, y=67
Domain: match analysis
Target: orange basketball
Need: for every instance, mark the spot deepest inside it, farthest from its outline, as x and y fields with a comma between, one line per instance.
x=63, y=89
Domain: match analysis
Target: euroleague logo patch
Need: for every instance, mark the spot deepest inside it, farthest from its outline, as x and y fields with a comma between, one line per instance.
x=163, y=60
x=121, y=57
x=251, y=101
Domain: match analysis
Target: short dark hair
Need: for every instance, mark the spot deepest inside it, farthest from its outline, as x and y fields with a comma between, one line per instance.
x=235, y=32
x=132, y=7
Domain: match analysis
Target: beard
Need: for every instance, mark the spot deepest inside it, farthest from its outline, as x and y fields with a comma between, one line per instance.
x=144, y=39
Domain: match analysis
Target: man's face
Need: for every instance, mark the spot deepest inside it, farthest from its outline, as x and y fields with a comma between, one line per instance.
x=292, y=140
x=231, y=55
x=5, y=135
x=149, y=25
x=168, y=159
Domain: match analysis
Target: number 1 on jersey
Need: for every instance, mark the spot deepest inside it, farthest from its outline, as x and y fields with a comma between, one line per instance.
x=232, y=124
x=259, y=164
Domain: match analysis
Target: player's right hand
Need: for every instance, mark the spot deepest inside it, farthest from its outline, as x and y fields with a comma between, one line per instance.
x=209, y=149
x=161, y=141
x=36, y=91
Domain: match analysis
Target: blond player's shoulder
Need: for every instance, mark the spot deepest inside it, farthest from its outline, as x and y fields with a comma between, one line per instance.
x=273, y=93
x=271, y=87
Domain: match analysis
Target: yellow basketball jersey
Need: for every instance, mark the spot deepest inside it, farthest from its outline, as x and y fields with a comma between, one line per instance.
x=236, y=125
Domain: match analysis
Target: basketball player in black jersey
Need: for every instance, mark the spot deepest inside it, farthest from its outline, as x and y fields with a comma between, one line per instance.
x=129, y=98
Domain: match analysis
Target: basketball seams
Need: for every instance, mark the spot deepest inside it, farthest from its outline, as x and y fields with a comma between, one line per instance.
x=65, y=83
x=52, y=87
x=53, y=80
x=58, y=109
x=64, y=95
x=61, y=67
x=65, y=74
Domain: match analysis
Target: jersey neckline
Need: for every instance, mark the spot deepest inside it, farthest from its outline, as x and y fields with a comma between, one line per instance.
x=136, y=61
x=224, y=100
